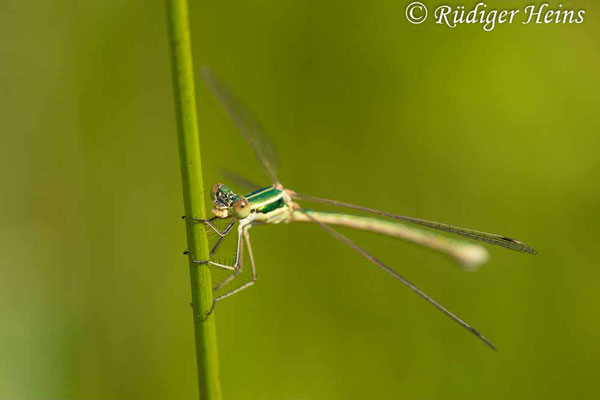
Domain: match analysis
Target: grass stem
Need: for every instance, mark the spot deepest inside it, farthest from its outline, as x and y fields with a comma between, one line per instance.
x=193, y=196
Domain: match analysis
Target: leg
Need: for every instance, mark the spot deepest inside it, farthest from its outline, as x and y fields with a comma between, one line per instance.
x=210, y=224
x=254, y=276
x=215, y=264
x=235, y=273
x=226, y=281
x=214, y=228
x=233, y=267
x=223, y=234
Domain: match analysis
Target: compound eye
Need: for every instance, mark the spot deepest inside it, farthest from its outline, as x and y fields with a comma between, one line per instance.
x=241, y=208
x=215, y=190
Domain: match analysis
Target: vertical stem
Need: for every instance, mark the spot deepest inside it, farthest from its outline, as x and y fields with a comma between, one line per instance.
x=193, y=197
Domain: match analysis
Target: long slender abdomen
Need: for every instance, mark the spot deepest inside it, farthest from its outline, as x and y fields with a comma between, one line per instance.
x=467, y=254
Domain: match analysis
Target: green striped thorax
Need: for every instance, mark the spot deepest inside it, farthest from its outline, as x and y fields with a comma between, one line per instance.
x=266, y=204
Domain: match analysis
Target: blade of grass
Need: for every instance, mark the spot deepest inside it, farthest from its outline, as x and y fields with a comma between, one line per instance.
x=193, y=197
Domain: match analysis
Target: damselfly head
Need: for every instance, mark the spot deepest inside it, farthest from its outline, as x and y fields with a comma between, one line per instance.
x=229, y=204
x=223, y=198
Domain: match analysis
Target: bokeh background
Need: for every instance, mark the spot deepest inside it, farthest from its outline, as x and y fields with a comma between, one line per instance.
x=498, y=131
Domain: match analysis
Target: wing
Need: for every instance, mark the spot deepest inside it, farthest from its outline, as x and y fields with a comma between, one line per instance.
x=241, y=181
x=399, y=277
x=246, y=123
x=491, y=238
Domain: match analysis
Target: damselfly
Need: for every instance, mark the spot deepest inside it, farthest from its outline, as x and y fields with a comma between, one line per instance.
x=276, y=204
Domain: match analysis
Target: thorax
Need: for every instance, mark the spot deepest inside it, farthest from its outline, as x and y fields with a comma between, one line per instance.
x=269, y=205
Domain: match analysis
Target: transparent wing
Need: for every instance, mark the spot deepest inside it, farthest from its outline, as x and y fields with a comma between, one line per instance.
x=399, y=277
x=491, y=238
x=246, y=123
x=239, y=180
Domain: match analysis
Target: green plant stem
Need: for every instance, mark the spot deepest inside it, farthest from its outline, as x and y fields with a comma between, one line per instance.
x=193, y=196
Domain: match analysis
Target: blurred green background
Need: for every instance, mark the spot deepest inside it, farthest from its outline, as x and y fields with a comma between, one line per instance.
x=498, y=131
